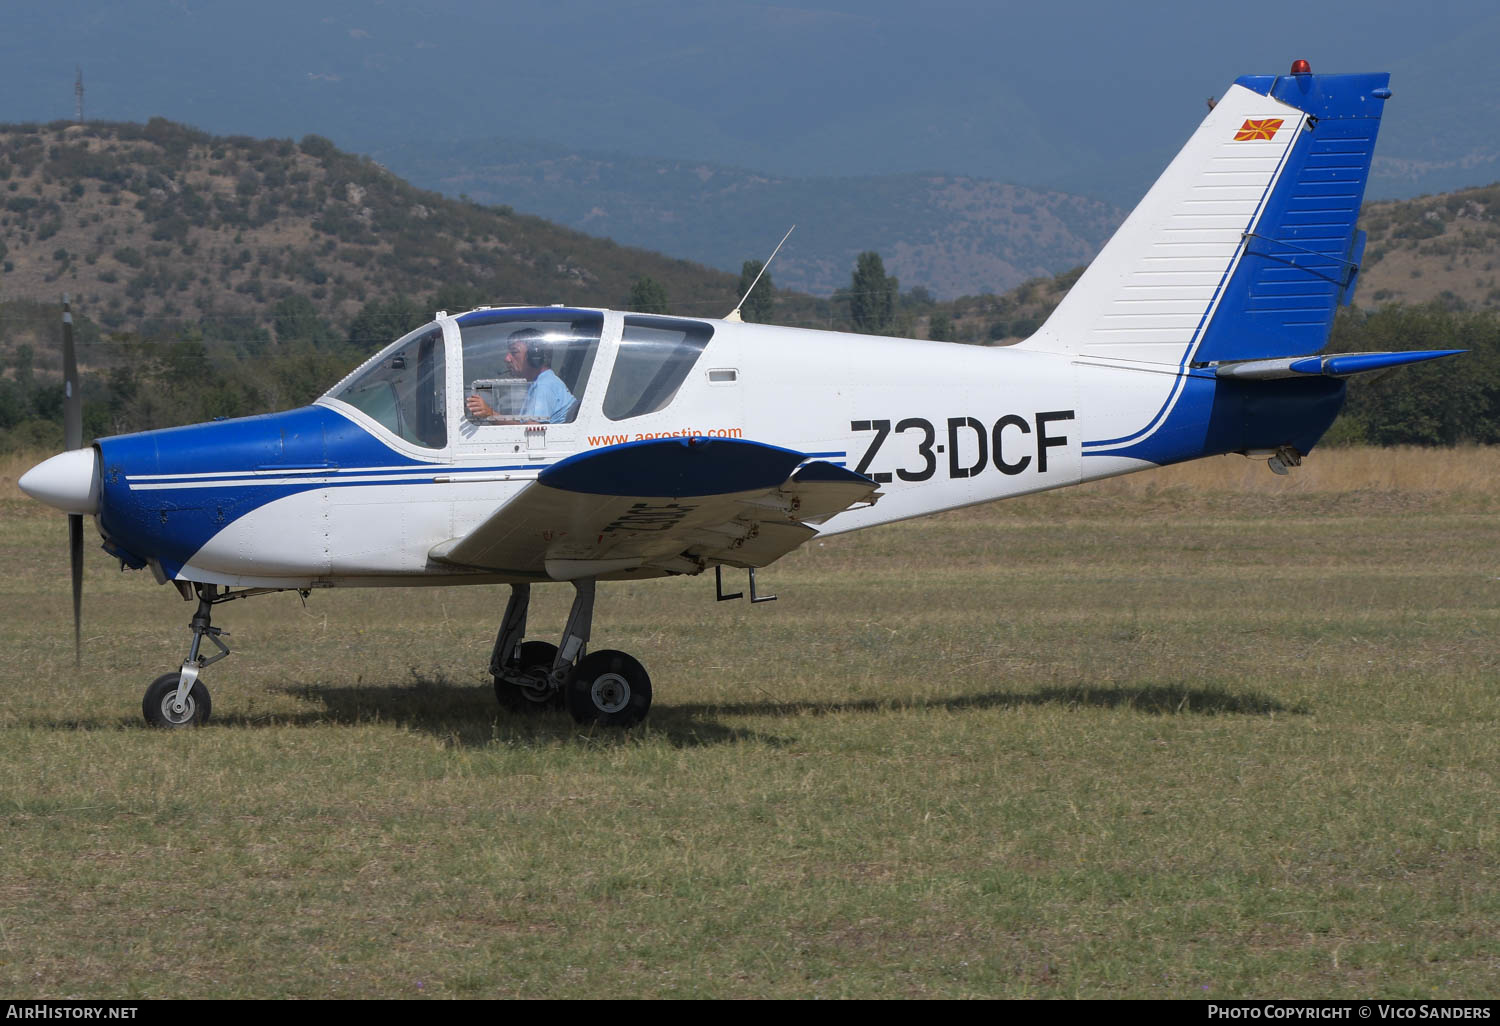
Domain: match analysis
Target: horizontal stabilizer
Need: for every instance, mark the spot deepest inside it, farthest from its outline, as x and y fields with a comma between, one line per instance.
x=1337, y=365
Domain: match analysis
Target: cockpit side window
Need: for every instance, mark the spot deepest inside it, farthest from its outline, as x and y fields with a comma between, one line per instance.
x=656, y=354
x=404, y=389
x=521, y=369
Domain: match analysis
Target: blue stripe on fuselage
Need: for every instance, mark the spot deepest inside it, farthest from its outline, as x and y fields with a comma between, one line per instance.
x=167, y=493
x=157, y=501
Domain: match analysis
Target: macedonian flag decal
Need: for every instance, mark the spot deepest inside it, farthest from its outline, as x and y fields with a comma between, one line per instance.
x=1253, y=128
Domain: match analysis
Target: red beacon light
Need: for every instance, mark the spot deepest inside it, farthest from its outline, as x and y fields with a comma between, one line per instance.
x=1301, y=67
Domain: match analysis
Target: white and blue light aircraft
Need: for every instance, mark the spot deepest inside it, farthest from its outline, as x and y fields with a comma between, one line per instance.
x=685, y=445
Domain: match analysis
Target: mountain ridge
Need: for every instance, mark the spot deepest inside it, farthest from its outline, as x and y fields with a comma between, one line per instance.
x=158, y=226
x=951, y=234
x=162, y=221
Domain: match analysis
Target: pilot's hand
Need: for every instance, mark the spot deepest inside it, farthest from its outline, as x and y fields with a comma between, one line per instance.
x=478, y=408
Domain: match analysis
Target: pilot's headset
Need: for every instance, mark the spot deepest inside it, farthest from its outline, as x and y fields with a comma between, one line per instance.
x=537, y=353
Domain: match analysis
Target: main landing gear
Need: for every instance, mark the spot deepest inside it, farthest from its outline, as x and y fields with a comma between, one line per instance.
x=604, y=687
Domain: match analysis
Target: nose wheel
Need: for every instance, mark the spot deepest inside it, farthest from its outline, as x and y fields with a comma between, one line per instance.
x=162, y=706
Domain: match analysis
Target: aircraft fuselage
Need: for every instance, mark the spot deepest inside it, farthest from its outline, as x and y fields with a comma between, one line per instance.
x=330, y=495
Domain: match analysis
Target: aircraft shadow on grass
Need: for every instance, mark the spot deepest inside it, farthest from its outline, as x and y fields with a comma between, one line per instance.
x=1153, y=700
x=466, y=715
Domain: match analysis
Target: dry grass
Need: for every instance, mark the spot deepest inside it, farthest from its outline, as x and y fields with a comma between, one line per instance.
x=1466, y=469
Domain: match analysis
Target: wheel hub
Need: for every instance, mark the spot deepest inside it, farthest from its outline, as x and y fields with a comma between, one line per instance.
x=534, y=684
x=175, y=711
x=611, y=692
x=538, y=693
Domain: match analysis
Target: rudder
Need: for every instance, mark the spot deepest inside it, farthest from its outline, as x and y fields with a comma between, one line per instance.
x=1301, y=257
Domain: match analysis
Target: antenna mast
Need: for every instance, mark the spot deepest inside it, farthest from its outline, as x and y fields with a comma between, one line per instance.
x=734, y=315
x=78, y=95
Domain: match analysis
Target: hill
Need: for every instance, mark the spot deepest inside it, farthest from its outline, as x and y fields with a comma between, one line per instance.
x=155, y=227
x=1441, y=249
x=161, y=228
x=231, y=275
x=1444, y=248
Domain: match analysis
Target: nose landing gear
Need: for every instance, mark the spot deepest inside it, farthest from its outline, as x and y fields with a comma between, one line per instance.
x=180, y=699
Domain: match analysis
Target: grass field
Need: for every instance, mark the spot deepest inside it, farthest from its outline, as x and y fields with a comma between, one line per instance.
x=1199, y=733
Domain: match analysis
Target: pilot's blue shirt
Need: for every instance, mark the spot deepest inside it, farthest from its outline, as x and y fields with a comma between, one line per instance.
x=547, y=398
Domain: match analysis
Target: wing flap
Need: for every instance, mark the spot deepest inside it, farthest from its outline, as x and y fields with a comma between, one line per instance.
x=768, y=543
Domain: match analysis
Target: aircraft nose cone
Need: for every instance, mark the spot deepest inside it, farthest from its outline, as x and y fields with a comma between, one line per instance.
x=68, y=481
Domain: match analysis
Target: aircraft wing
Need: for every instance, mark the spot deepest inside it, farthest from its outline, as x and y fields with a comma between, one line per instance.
x=671, y=505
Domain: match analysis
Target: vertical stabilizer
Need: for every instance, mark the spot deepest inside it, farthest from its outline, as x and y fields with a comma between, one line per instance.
x=1246, y=244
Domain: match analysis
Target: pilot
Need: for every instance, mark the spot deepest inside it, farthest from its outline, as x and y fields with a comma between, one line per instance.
x=548, y=400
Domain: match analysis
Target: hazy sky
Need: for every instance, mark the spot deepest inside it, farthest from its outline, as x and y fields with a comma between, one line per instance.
x=1092, y=97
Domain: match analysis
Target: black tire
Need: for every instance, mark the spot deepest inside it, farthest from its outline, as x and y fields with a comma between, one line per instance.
x=157, y=705
x=609, y=688
x=536, y=662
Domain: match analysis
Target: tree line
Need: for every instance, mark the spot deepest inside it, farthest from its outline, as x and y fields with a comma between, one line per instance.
x=163, y=375
x=873, y=304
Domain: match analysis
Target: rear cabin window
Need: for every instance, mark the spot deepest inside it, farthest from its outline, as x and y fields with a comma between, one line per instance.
x=528, y=369
x=656, y=354
x=403, y=389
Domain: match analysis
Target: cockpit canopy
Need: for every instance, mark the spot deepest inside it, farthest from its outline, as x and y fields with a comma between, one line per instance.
x=528, y=366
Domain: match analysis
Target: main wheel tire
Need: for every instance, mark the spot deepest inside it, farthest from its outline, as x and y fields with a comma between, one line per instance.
x=609, y=688
x=157, y=705
x=536, y=662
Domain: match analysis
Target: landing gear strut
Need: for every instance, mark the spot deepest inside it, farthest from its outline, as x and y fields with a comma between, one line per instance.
x=180, y=699
x=522, y=668
x=606, y=687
